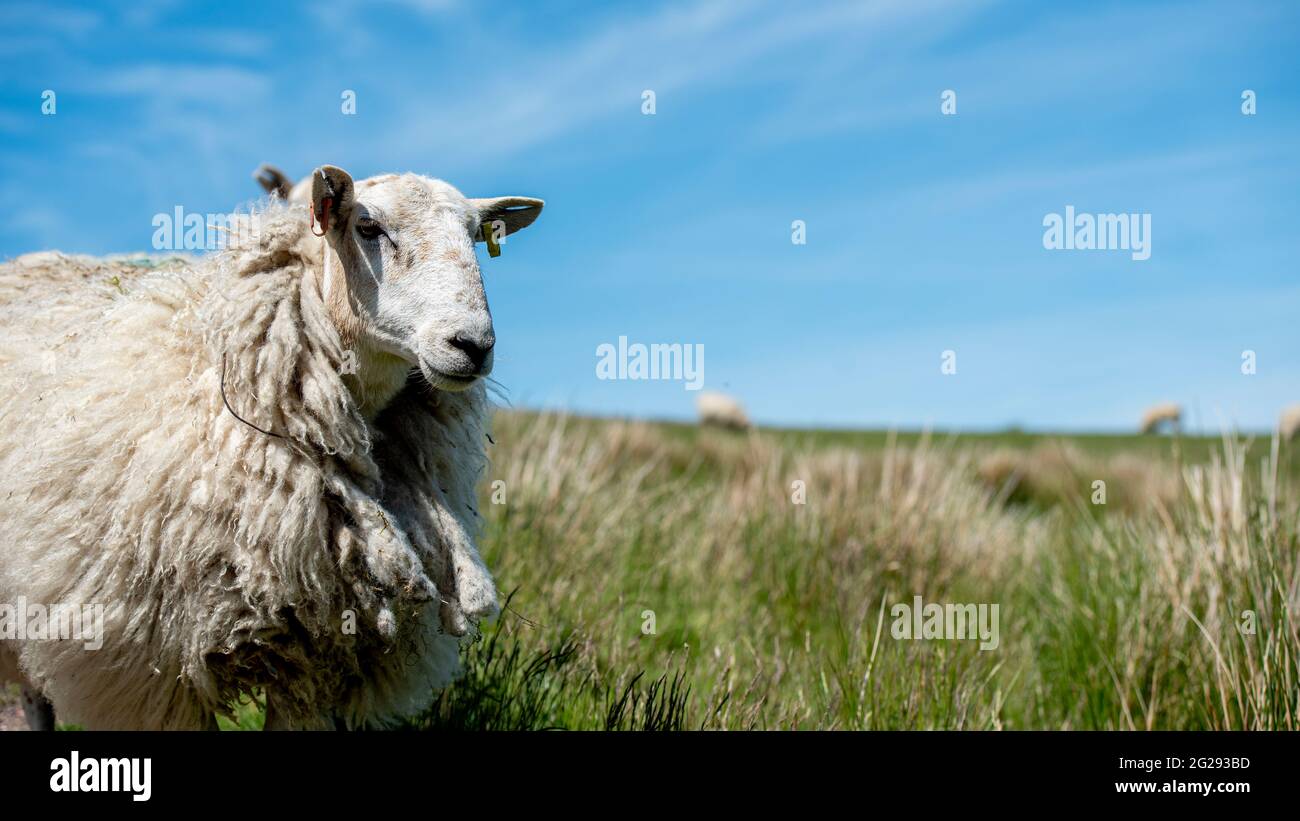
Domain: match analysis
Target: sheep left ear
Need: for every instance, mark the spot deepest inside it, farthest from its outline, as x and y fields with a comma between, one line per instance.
x=331, y=199
x=516, y=212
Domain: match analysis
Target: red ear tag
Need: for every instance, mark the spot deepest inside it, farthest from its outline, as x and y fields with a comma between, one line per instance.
x=324, y=218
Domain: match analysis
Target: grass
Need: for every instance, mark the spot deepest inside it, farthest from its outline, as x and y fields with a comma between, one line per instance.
x=664, y=577
x=509, y=686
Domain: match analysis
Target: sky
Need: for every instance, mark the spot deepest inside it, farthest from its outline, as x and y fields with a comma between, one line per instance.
x=923, y=230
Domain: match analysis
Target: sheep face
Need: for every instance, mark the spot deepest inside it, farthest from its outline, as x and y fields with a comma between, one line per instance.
x=412, y=286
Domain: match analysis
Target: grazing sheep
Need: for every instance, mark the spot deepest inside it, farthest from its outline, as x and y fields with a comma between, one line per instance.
x=1157, y=415
x=720, y=410
x=262, y=469
x=1289, y=423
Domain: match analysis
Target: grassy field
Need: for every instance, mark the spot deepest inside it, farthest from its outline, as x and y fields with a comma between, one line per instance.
x=664, y=577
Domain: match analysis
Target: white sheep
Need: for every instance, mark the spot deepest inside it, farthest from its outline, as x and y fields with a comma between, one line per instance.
x=720, y=410
x=262, y=469
x=1160, y=414
x=1288, y=424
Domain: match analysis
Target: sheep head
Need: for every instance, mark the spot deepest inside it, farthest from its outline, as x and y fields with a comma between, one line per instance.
x=406, y=289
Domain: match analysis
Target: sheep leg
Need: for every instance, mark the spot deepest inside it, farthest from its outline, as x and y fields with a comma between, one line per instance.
x=274, y=718
x=38, y=709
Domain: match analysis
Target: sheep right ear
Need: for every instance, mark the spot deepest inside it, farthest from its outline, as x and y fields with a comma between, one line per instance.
x=517, y=213
x=331, y=199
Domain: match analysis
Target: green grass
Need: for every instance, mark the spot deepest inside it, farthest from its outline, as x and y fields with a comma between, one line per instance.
x=248, y=714
x=770, y=614
x=510, y=687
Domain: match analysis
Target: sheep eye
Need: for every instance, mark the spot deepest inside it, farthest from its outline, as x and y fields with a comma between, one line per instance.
x=369, y=229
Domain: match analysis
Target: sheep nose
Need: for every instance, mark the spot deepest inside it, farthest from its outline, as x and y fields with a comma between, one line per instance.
x=476, y=348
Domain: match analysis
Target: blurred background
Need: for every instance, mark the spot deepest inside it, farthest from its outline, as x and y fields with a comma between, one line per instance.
x=923, y=231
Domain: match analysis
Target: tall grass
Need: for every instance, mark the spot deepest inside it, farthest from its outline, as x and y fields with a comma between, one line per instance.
x=667, y=578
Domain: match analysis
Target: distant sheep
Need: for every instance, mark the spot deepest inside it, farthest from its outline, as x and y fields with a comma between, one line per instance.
x=1169, y=413
x=720, y=410
x=1289, y=423
x=263, y=468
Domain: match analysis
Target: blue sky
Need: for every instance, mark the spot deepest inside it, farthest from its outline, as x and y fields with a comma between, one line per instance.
x=924, y=231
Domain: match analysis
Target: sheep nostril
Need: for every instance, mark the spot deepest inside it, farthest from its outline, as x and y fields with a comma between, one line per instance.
x=476, y=349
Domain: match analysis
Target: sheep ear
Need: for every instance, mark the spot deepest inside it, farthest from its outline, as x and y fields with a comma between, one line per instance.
x=333, y=184
x=273, y=181
x=516, y=212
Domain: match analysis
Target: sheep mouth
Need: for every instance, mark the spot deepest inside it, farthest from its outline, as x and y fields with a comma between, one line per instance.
x=444, y=380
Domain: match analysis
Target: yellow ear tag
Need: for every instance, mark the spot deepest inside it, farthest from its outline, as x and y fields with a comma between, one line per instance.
x=489, y=236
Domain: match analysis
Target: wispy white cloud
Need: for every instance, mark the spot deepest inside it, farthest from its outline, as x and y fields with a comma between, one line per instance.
x=227, y=42
x=147, y=13
x=565, y=86
x=1059, y=60
x=1159, y=170
x=158, y=82
x=425, y=6
x=50, y=18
